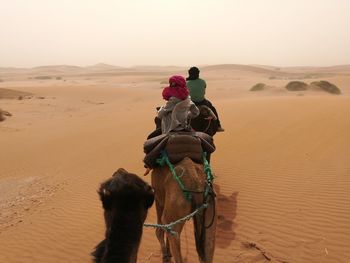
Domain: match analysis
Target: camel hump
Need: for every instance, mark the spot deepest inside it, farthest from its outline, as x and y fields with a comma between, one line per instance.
x=180, y=146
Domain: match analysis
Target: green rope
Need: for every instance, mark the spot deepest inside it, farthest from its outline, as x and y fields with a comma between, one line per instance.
x=169, y=227
x=207, y=169
x=208, y=172
x=165, y=160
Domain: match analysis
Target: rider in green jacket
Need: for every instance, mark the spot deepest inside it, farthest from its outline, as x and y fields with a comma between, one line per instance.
x=197, y=88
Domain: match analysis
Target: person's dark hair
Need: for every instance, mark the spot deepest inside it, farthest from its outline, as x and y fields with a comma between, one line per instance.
x=193, y=73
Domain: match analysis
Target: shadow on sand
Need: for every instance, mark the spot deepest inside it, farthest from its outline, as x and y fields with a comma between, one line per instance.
x=226, y=209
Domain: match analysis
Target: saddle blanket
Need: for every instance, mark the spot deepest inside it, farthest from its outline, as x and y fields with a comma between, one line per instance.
x=177, y=146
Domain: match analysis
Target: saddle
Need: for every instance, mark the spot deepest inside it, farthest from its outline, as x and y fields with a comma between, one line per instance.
x=177, y=146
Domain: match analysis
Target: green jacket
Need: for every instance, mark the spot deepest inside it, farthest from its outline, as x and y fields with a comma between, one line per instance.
x=197, y=89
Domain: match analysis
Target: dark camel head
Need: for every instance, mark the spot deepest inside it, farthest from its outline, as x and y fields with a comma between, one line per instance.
x=126, y=199
x=125, y=191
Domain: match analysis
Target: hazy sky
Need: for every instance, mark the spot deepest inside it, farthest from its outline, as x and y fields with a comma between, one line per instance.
x=174, y=32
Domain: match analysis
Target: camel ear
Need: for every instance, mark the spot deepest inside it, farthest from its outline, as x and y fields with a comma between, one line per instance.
x=120, y=171
x=149, y=197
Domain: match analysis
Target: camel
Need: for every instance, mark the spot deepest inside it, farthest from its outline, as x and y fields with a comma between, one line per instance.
x=172, y=205
x=126, y=199
x=206, y=121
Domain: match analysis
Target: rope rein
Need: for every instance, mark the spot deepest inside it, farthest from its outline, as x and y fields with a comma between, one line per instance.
x=169, y=227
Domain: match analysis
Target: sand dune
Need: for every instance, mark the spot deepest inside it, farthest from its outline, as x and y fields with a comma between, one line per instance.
x=282, y=166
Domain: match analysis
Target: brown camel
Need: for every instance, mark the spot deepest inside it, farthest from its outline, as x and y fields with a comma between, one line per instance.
x=172, y=205
x=126, y=199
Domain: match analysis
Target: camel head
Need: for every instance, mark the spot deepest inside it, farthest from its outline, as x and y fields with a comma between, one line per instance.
x=126, y=199
x=125, y=193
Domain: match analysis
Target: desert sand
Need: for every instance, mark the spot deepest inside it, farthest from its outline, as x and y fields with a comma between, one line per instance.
x=282, y=166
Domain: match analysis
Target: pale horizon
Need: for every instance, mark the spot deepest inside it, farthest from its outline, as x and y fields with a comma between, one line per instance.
x=154, y=32
x=169, y=66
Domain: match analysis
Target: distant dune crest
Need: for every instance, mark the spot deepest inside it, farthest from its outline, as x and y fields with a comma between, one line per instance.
x=262, y=69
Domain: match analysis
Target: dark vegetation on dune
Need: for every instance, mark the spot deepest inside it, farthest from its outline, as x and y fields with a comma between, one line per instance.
x=43, y=77
x=326, y=86
x=47, y=77
x=296, y=86
x=258, y=87
x=302, y=86
x=316, y=85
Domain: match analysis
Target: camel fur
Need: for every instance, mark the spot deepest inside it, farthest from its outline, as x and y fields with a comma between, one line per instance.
x=126, y=199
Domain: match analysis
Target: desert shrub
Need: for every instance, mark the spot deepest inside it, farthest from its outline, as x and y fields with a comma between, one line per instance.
x=43, y=77
x=296, y=86
x=258, y=87
x=58, y=77
x=326, y=86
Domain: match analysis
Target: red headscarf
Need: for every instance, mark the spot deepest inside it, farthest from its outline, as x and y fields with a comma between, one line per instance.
x=176, y=89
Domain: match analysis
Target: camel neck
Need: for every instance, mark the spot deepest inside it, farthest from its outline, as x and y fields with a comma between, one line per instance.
x=123, y=239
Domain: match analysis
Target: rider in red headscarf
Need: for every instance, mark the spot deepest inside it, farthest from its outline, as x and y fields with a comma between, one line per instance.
x=179, y=108
x=177, y=88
